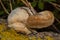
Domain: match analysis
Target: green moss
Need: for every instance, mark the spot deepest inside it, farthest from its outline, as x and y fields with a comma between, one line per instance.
x=11, y=34
x=49, y=38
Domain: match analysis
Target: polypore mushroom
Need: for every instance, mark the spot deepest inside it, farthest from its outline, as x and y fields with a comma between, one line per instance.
x=41, y=20
x=17, y=19
x=22, y=18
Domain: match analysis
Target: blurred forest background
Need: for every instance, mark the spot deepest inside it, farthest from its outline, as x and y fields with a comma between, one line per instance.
x=6, y=6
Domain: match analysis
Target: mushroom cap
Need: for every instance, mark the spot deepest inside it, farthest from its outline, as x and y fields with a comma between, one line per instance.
x=41, y=20
x=17, y=15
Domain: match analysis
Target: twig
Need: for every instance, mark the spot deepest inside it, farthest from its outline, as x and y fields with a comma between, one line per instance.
x=55, y=5
x=55, y=28
x=32, y=9
x=57, y=20
x=25, y=3
x=10, y=5
x=28, y=4
x=4, y=7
